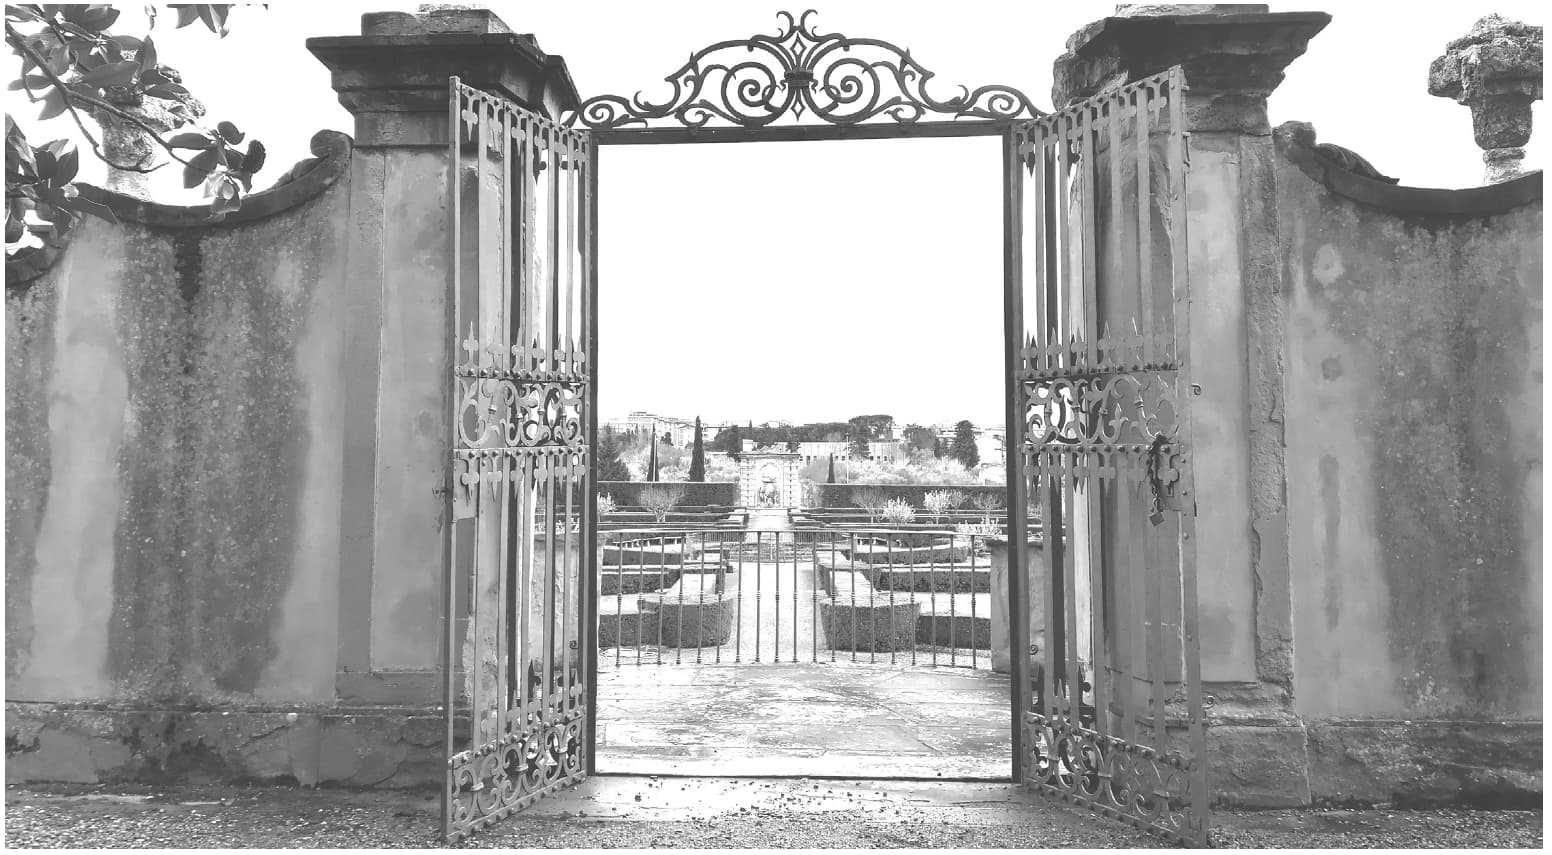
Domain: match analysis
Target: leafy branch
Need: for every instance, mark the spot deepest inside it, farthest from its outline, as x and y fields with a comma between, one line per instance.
x=70, y=63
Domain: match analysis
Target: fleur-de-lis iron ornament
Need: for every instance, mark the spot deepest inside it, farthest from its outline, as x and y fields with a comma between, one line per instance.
x=754, y=82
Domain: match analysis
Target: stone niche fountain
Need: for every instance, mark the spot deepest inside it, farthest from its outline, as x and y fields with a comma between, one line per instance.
x=769, y=479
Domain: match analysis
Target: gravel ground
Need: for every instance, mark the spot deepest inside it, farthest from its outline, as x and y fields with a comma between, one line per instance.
x=231, y=817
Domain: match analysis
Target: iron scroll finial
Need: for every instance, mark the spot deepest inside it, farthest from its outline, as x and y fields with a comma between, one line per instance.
x=839, y=80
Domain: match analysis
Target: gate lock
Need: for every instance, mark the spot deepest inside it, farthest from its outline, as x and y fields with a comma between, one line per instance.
x=1163, y=475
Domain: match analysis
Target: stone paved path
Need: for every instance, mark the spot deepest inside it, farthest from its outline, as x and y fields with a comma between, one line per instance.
x=805, y=719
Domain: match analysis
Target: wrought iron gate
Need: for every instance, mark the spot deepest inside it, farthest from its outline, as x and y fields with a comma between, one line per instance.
x=1098, y=292
x=518, y=607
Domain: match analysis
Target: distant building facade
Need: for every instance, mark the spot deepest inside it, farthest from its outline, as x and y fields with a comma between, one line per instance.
x=883, y=452
x=990, y=443
x=681, y=431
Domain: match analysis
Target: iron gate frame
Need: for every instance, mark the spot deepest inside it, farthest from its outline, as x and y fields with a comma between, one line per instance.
x=989, y=111
x=528, y=390
x=1101, y=416
x=795, y=69
x=795, y=61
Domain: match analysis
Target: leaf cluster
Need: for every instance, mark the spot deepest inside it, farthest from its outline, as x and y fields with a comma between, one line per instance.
x=38, y=185
x=72, y=62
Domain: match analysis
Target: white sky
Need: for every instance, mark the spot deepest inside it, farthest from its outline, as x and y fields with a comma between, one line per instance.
x=816, y=281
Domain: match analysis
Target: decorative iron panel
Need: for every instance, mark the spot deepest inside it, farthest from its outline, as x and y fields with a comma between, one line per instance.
x=1102, y=390
x=518, y=610
x=799, y=73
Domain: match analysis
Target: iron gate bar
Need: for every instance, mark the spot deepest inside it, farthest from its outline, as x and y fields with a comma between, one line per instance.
x=453, y=308
x=814, y=600
x=1180, y=159
x=1144, y=224
x=1013, y=339
x=889, y=550
x=1093, y=311
x=589, y=652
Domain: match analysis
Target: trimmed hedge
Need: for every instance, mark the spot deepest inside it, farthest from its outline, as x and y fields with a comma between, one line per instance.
x=706, y=621
x=695, y=492
x=871, y=624
x=840, y=495
x=946, y=630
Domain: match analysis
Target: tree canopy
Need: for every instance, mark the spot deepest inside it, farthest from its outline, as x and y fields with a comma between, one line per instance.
x=610, y=466
x=72, y=63
x=964, y=448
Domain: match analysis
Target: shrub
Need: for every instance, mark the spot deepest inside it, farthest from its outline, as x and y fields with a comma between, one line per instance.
x=898, y=511
x=871, y=499
x=942, y=501
x=661, y=498
x=989, y=504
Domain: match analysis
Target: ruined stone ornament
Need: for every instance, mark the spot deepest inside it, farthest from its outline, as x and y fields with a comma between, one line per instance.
x=1496, y=71
x=125, y=142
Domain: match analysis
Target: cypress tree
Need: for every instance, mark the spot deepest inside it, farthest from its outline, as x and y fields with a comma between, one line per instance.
x=831, y=479
x=964, y=448
x=610, y=467
x=697, y=455
x=652, y=455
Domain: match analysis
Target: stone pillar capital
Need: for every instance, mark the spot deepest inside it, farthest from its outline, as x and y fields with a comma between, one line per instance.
x=1233, y=56
x=393, y=77
x=1495, y=70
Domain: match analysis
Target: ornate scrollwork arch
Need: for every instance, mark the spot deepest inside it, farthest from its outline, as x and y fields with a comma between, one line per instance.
x=756, y=81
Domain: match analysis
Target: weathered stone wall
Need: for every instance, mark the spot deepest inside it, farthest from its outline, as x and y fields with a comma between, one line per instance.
x=1413, y=379
x=174, y=417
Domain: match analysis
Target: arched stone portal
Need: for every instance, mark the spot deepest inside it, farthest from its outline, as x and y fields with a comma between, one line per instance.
x=769, y=479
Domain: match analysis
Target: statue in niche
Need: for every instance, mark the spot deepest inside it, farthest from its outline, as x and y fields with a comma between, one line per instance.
x=769, y=496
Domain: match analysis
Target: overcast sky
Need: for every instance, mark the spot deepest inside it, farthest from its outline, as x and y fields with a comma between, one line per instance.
x=816, y=281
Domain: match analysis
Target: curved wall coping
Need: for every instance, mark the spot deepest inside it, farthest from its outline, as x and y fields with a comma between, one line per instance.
x=1296, y=140
x=302, y=183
